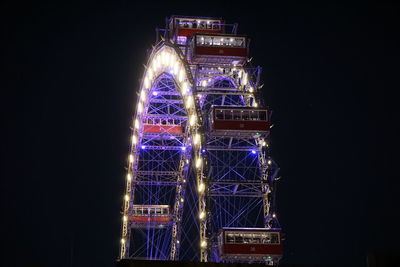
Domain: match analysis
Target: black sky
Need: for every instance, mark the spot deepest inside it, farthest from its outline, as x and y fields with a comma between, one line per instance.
x=70, y=76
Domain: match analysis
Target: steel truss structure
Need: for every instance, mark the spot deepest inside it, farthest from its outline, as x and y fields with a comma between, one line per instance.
x=195, y=181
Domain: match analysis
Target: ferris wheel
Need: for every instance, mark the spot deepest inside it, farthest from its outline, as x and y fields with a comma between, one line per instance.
x=200, y=179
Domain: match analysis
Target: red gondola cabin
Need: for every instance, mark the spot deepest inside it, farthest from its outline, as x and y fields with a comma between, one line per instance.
x=183, y=27
x=160, y=128
x=217, y=48
x=150, y=215
x=243, y=121
x=257, y=244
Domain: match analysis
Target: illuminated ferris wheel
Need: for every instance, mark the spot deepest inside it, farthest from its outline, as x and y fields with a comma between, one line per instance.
x=200, y=183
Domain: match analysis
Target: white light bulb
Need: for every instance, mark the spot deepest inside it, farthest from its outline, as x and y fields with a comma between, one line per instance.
x=244, y=79
x=264, y=143
x=202, y=215
x=167, y=58
x=140, y=108
x=192, y=120
x=143, y=95
x=201, y=187
x=184, y=88
x=196, y=139
x=130, y=158
x=157, y=61
x=198, y=163
x=123, y=241
x=203, y=244
x=126, y=198
x=189, y=101
x=129, y=177
x=137, y=124
x=181, y=74
x=163, y=57
x=172, y=60
x=176, y=67
x=150, y=73
x=125, y=218
x=146, y=83
x=134, y=139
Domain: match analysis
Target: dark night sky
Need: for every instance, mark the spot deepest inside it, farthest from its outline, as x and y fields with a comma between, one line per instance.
x=69, y=84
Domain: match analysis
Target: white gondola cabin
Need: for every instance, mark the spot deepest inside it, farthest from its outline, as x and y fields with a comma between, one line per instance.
x=150, y=215
x=255, y=244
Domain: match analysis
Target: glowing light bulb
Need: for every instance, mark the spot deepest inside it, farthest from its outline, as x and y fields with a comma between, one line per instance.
x=126, y=198
x=146, y=83
x=255, y=104
x=202, y=215
x=251, y=89
x=137, y=124
x=157, y=61
x=150, y=73
x=154, y=64
x=163, y=57
x=140, y=108
x=204, y=83
x=244, y=82
x=269, y=162
x=274, y=215
x=167, y=58
x=134, y=139
x=172, y=60
x=143, y=95
x=196, y=139
x=182, y=200
x=198, y=163
x=176, y=67
x=184, y=88
x=203, y=244
x=130, y=158
x=189, y=102
x=192, y=120
x=129, y=177
x=264, y=143
x=125, y=218
x=122, y=241
x=201, y=187
x=181, y=74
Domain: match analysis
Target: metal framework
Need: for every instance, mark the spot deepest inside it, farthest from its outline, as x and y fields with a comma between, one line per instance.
x=208, y=181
